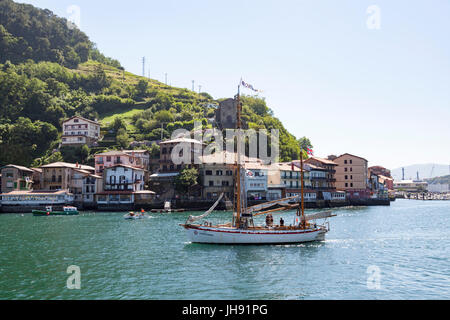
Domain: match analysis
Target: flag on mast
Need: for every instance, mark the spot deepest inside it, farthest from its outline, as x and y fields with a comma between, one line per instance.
x=249, y=86
x=310, y=151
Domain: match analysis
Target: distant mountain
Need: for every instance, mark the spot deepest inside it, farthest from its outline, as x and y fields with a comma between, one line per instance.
x=426, y=171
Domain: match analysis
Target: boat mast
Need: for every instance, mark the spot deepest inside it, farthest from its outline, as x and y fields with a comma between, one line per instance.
x=302, y=188
x=238, y=205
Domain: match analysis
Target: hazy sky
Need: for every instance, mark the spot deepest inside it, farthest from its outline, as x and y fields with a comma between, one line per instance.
x=370, y=78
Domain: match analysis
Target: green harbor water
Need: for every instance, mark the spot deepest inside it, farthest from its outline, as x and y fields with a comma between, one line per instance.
x=396, y=252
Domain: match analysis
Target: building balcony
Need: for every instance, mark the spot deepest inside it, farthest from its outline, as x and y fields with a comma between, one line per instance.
x=119, y=187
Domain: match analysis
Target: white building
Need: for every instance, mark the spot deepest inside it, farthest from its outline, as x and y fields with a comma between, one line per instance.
x=439, y=187
x=121, y=184
x=37, y=198
x=410, y=186
x=79, y=131
x=256, y=181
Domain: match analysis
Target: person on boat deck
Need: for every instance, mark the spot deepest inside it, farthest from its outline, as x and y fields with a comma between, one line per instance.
x=281, y=222
x=132, y=214
x=269, y=220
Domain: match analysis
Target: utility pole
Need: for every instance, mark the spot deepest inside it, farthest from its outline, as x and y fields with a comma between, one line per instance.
x=143, y=66
x=193, y=85
x=199, y=89
x=166, y=77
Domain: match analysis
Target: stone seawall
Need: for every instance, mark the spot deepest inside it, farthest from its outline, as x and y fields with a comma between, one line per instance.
x=197, y=205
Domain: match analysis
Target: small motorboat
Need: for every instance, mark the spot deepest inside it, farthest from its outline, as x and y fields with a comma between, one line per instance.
x=134, y=216
x=67, y=211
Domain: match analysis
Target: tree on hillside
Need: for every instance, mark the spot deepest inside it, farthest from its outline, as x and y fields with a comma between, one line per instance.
x=141, y=89
x=118, y=124
x=122, y=138
x=305, y=143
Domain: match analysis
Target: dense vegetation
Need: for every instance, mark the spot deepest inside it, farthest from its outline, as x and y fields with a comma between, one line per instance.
x=49, y=72
x=27, y=32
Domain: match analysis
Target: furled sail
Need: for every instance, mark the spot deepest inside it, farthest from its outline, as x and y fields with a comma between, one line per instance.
x=192, y=219
x=319, y=215
x=266, y=205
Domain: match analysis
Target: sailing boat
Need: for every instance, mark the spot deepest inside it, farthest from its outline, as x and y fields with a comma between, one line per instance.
x=242, y=230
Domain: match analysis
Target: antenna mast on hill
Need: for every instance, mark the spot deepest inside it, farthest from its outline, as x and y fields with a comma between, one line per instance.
x=143, y=66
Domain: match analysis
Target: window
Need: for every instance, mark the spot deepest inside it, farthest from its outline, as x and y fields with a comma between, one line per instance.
x=108, y=159
x=76, y=120
x=346, y=177
x=208, y=173
x=219, y=173
x=351, y=169
x=211, y=183
x=346, y=185
x=351, y=185
x=351, y=161
x=351, y=177
x=345, y=170
x=345, y=161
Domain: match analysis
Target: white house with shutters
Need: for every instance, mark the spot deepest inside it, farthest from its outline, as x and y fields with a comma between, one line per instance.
x=79, y=131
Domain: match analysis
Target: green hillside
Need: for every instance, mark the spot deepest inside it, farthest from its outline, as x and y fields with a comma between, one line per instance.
x=49, y=72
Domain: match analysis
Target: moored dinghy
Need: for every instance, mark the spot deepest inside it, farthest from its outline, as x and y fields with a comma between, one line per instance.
x=67, y=211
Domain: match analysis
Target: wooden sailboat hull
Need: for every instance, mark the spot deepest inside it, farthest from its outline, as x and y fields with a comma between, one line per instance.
x=217, y=235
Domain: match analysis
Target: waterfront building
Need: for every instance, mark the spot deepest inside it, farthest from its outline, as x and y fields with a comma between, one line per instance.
x=59, y=175
x=384, y=174
x=37, y=177
x=192, y=160
x=123, y=185
x=216, y=177
x=135, y=158
x=411, y=186
x=439, y=187
x=329, y=183
x=80, y=131
x=84, y=186
x=162, y=181
x=16, y=178
x=36, y=198
x=290, y=177
x=256, y=180
x=377, y=186
x=352, y=175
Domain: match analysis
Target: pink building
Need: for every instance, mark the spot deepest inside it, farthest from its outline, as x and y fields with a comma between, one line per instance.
x=133, y=158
